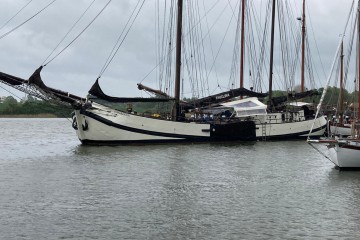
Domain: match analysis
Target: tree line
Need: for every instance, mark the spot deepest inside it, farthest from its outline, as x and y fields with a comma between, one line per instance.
x=32, y=106
x=331, y=96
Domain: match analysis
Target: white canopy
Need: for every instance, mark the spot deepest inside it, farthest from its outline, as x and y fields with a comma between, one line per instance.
x=247, y=107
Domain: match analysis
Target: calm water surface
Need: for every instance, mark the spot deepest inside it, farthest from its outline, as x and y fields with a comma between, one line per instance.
x=54, y=188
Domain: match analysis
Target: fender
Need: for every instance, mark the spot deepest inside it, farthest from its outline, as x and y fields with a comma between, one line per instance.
x=85, y=126
x=74, y=123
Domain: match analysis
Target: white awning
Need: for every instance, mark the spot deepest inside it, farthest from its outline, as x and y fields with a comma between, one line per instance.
x=247, y=107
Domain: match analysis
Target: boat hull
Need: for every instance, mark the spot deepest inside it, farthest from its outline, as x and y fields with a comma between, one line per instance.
x=345, y=155
x=291, y=130
x=340, y=130
x=104, y=126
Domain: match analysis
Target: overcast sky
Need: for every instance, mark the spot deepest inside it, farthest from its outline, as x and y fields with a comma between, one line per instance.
x=75, y=70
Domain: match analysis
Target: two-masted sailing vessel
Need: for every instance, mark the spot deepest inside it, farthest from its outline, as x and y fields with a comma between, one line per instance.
x=339, y=124
x=344, y=150
x=220, y=117
x=285, y=117
x=99, y=123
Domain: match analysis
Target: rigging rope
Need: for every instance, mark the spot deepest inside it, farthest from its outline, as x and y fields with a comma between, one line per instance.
x=10, y=92
x=18, y=26
x=159, y=40
x=263, y=54
x=309, y=65
x=256, y=58
x=252, y=42
x=319, y=151
x=113, y=51
x=72, y=27
x=331, y=70
x=222, y=41
x=317, y=48
x=207, y=72
x=351, y=42
x=87, y=26
x=346, y=65
x=15, y=14
x=236, y=51
x=171, y=48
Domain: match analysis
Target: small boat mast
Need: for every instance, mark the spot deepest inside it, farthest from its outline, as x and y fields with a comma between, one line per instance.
x=271, y=53
x=242, y=44
x=358, y=60
x=303, y=35
x=176, y=112
x=341, y=112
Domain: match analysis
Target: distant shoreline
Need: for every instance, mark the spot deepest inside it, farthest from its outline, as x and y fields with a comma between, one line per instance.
x=42, y=115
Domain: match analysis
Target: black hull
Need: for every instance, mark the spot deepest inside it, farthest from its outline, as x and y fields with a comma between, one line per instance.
x=232, y=131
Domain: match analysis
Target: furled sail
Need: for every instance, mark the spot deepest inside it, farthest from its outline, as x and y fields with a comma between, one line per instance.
x=37, y=88
x=293, y=96
x=96, y=91
x=223, y=97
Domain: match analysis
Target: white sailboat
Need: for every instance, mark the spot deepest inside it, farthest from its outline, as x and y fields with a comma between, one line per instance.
x=345, y=152
x=97, y=123
x=294, y=120
x=339, y=126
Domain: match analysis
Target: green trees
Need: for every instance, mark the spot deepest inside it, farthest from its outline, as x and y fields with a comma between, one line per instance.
x=9, y=105
x=32, y=106
x=331, y=97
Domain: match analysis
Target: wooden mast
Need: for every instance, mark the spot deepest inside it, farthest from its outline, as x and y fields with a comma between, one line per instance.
x=242, y=50
x=303, y=32
x=271, y=52
x=341, y=83
x=176, y=111
x=358, y=59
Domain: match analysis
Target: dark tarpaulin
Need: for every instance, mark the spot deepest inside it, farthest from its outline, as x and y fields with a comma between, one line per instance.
x=12, y=80
x=66, y=97
x=222, y=97
x=66, y=94
x=35, y=79
x=97, y=92
x=293, y=96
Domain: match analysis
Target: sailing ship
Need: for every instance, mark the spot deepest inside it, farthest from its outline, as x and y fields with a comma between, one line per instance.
x=219, y=117
x=98, y=123
x=344, y=151
x=285, y=117
x=339, y=125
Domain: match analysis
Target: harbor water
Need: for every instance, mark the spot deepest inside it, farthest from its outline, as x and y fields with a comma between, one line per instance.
x=52, y=187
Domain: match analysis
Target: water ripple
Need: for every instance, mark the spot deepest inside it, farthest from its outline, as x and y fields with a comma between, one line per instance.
x=54, y=188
